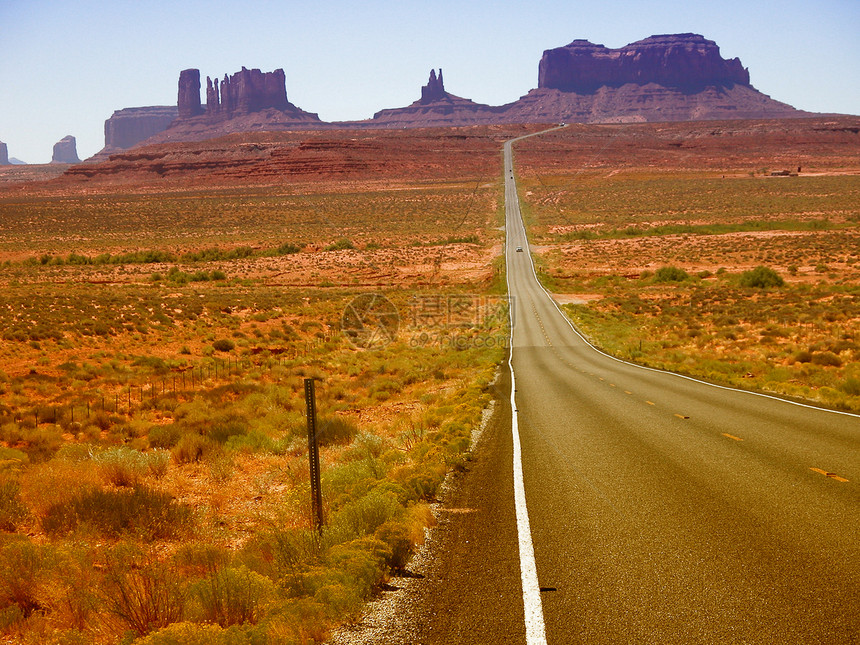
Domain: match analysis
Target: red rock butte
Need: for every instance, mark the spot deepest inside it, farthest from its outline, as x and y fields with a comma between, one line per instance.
x=671, y=77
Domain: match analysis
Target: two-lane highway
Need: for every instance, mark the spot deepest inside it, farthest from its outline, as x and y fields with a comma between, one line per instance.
x=665, y=510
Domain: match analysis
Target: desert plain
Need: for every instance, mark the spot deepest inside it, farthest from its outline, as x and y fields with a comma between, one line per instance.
x=161, y=310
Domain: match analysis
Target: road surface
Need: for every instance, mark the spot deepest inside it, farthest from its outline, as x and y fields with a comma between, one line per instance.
x=664, y=510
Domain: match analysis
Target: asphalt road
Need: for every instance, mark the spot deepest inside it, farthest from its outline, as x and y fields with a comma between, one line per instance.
x=660, y=510
x=665, y=510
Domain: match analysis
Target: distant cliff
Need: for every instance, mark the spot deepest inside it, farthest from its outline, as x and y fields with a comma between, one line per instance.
x=129, y=126
x=686, y=61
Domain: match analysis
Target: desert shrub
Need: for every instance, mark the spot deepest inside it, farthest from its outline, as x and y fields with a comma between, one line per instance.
x=158, y=461
x=22, y=564
x=340, y=245
x=224, y=345
x=41, y=443
x=12, y=458
x=287, y=248
x=363, y=516
x=222, y=430
x=195, y=634
x=121, y=466
x=397, y=537
x=670, y=274
x=199, y=559
x=803, y=356
x=231, y=596
x=851, y=387
x=12, y=509
x=828, y=359
x=349, y=480
x=164, y=436
x=254, y=442
x=140, y=511
x=360, y=564
x=420, y=480
x=142, y=599
x=761, y=278
x=56, y=482
x=336, y=430
x=190, y=448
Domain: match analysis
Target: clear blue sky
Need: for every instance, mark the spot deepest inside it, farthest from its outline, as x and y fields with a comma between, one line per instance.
x=68, y=64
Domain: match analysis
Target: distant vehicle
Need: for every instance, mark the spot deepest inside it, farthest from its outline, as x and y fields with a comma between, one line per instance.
x=519, y=249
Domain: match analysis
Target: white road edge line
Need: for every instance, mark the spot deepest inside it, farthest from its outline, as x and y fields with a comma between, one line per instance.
x=532, y=604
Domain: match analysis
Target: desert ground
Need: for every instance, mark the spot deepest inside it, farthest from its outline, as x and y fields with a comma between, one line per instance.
x=161, y=310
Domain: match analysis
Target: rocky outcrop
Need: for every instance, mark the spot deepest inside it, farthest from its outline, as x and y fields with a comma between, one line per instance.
x=686, y=61
x=65, y=151
x=435, y=108
x=246, y=91
x=4, y=154
x=129, y=126
x=188, y=103
x=248, y=100
x=435, y=88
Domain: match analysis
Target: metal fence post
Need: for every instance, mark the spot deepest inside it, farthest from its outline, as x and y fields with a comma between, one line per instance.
x=314, y=453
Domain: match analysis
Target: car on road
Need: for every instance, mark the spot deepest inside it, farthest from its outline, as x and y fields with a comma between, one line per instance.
x=519, y=249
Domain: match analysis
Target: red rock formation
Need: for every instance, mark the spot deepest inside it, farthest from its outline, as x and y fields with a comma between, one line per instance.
x=188, y=102
x=129, y=126
x=4, y=154
x=247, y=91
x=435, y=108
x=66, y=151
x=687, y=61
x=435, y=88
x=247, y=100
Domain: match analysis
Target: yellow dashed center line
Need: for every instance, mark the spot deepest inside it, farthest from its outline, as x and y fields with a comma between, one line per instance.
x=650, y=403
x=682, y=416
x=829, y=475
x=731, y=436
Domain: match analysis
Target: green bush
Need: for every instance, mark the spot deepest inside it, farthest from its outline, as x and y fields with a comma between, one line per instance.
x=287, y=249
x=363, y=516
x=340, y=245
x=232, y=596
x=671, y=274
x=194, y=634
x=122, y=466
x=828, y=359
x=761, y=278
x=140, y=512
x=190, y=448
x=224, y=345
x=336, y=431
x=164, y=436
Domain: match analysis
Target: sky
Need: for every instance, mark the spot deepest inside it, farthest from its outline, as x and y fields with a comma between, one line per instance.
x=66, y=65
